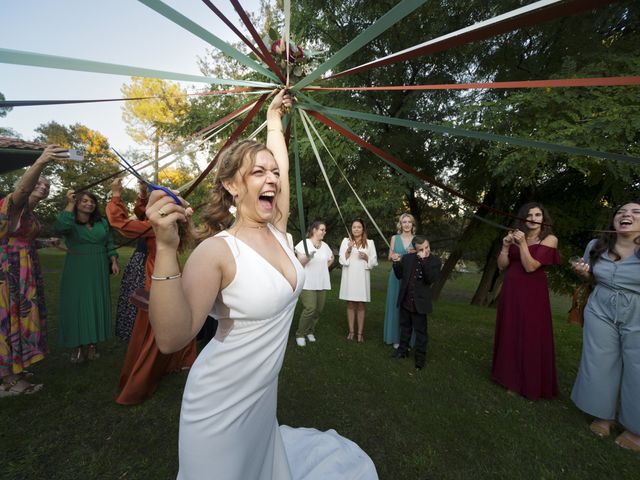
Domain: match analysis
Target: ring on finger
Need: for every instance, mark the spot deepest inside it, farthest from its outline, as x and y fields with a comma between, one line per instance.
x=162, y=213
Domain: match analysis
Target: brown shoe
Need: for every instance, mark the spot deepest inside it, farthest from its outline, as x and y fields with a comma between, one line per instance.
x=601, y=428
x=629, y=441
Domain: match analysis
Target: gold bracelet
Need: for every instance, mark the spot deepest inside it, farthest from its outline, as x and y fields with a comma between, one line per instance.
x=170, y=277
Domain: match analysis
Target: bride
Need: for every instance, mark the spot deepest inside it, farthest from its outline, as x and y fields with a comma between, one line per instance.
x=245, y=275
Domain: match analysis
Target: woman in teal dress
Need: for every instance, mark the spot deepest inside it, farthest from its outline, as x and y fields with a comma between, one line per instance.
x=85, y=297
x=399, y=245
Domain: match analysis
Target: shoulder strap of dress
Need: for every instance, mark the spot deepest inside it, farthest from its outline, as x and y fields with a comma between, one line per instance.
x=231, y=242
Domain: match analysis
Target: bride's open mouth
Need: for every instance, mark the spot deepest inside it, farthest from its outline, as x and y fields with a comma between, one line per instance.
x=266, y=200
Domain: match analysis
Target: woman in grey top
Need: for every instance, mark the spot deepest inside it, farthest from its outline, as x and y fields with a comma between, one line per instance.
x=608, y=382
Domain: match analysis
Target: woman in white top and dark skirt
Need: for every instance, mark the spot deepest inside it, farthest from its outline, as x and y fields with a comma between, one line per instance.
x=316, y=260
x=357, y=257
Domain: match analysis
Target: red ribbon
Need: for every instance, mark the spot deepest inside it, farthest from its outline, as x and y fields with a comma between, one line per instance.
x=527, y=19
x=565, y=82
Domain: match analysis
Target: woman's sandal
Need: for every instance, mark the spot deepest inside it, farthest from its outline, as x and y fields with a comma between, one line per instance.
x=19, y=387
x=626, y=440
x=77, y=356
x=360, y=338
x=92, y=353
x=350, y=336
x=602, y=428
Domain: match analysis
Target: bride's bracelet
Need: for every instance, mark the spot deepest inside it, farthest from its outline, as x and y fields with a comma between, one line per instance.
x=170, y=277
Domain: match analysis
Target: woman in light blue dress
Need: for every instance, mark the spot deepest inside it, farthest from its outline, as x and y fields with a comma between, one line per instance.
x=608, y=382
x=399, y=245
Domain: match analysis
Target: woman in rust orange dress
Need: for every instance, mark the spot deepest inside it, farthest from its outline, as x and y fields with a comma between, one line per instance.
x=144, y=365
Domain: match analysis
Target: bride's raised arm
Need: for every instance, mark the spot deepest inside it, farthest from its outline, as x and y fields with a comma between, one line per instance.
x=277, y=146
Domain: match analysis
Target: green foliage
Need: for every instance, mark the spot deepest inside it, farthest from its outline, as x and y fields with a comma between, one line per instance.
x=150, y=119
x=99, y=162
x=4, y=110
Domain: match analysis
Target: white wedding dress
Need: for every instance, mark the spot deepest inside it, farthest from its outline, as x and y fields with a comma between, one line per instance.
x=228, y=426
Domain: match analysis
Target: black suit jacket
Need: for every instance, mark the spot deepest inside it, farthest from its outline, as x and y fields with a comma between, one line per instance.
x=430, y=271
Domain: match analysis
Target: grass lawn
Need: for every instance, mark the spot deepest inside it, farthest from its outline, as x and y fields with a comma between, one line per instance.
x=449, y=421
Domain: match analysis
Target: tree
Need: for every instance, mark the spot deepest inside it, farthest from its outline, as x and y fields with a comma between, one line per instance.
x=98, y=163
x=149, y=121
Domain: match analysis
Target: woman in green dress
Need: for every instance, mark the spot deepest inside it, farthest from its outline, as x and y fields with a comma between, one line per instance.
x=85, y=298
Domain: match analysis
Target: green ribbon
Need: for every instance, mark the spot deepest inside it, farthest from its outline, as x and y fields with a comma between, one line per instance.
x=189, y=25
x=296, y=156
x=416, y=181
x=32, y=59
x=460, y=132
x=393, y=16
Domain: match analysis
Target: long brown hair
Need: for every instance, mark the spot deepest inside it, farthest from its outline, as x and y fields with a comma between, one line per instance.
x=215, y=214
x=363, y=243
x=521, y=222
x=607, y=240
x=95, y=216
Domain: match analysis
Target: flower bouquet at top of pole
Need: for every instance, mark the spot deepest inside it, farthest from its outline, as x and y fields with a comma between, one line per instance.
x=301, y=61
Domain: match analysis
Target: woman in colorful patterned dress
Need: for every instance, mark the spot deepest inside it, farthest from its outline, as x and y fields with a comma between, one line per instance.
x=23, y=315
x=85, y=296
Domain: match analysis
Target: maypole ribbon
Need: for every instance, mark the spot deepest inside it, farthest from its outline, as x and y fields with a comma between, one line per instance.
x=353, y=190
x=296, y=160
x=150, y=186
x=234, y=29
x=552, y=147
x=192, y=27
x=381, y=153
x=304, y=118
x=558, y=83
x=266, y=54
x=393, y=16
x=33, y=103
x=416, y=181
x=204, y=134
x=232, y=138
x=538, y=12
x=32, y=59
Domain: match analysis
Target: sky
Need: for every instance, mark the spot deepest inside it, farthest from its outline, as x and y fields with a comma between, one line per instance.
x=116, y=31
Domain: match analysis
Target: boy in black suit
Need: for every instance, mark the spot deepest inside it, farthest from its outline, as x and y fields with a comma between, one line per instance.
x=416, y=272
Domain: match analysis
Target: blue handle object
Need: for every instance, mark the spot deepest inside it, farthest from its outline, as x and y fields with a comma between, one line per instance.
x=129, y=168
x=153, y=186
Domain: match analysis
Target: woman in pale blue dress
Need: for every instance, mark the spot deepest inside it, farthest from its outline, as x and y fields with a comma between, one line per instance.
x=399, y=245
x=608, y=382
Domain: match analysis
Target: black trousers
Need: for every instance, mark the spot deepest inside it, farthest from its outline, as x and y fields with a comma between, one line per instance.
x=417, y=322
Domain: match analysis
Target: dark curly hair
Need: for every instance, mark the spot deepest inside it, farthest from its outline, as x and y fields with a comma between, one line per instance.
x=608, y=238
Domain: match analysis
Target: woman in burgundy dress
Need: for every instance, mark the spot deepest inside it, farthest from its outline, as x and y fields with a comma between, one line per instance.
x=523, y=351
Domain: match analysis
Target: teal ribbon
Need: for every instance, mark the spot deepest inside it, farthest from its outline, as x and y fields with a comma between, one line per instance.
x=296, y=156
x=393, y=16
x=460, y=132
x=416, y=181
x=32, y=59
x=192, y=27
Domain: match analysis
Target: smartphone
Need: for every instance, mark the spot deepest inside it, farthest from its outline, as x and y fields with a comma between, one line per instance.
x=76, y=154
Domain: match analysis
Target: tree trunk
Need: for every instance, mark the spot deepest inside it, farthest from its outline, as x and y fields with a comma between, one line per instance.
x=156, y=167
x=489, y=286
x=456, y=254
